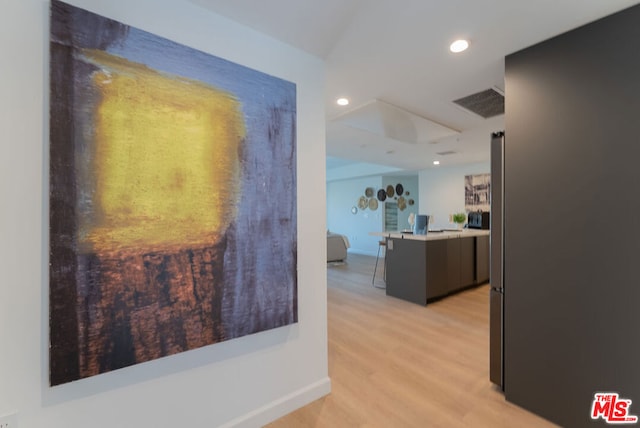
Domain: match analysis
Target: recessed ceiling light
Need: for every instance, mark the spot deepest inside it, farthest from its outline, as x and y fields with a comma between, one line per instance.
x=436, y=162
x=342, y=101
x=459, y=46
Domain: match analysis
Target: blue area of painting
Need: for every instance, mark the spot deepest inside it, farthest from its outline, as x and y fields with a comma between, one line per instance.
x=256, y=91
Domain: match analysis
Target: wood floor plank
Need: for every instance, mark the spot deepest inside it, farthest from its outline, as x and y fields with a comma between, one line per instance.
x=397, y=364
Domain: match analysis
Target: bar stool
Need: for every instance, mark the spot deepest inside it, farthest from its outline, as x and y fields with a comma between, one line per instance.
x=381, y=244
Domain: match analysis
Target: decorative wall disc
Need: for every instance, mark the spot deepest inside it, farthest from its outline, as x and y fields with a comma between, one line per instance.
x=390, y=191
x=362, y=203
x=382, y=195
x=399, y=189
x=368, y=192
x=373, y=204
x=402, y=203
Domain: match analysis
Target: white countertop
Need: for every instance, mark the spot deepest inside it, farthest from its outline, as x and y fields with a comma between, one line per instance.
x=432, y=236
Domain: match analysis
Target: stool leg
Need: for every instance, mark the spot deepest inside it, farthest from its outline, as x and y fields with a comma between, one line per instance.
x=376, y=267
x=385, y=265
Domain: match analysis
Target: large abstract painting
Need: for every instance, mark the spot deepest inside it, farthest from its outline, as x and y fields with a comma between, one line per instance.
x=172, y=197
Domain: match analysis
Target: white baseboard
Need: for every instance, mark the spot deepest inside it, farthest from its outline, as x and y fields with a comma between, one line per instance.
x=282, y=406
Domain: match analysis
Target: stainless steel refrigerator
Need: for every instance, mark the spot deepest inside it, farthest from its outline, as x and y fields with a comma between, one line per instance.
x=496, y=301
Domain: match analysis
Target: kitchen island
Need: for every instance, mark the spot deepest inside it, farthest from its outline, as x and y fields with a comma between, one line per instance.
x=423, y=268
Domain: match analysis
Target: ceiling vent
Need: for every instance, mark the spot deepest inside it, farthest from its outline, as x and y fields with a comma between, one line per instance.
x=487, y=103
x=446, y=153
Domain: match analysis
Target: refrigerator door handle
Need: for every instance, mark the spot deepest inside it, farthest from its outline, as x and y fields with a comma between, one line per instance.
x=497, y=297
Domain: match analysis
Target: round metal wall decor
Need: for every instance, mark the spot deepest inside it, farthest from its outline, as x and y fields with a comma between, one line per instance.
x=390, y=191
x=399, y=189
x=362, y=203
x=373, y=204
x=411, y=202
x=354, y=210
x=368, y=192
x=402, y=203
x=382, y=195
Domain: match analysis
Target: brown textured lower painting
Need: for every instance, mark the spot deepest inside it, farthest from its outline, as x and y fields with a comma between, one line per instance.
x=172, y=197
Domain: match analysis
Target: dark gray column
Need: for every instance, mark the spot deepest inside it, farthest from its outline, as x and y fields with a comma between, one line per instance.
x=571, y=198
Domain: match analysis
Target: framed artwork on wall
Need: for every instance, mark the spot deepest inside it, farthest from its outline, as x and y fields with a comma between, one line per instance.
x=477, y=191
x=165, y=231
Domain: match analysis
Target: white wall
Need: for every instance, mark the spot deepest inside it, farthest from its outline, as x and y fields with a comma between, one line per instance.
x=410, y=184
x=341, y=196
x=361, y=169
x=442, y=191
x=344, y=194
x=246, y=381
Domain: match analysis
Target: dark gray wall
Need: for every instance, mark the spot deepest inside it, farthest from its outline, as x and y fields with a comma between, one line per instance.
x=572, y=200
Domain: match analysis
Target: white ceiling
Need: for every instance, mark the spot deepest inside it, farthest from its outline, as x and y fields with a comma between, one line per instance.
x=396, y=52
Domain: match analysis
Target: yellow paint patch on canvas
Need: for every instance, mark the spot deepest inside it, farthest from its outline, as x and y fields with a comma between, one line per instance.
x=166, y=159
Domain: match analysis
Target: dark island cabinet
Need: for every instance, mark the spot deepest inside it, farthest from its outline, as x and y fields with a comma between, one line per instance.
x=423, y=270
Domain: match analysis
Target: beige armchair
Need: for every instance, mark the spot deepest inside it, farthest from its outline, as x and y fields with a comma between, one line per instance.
x=336, y=247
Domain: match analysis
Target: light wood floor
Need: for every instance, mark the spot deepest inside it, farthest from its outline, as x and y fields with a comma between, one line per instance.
x=397, y=364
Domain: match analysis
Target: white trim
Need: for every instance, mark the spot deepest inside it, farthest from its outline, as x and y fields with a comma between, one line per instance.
x=282, y=406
